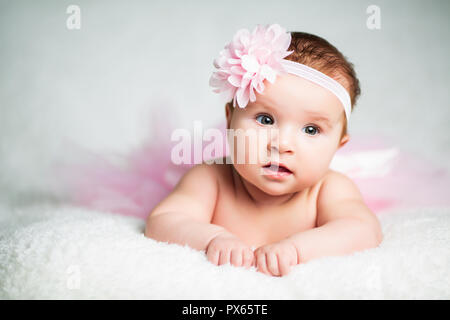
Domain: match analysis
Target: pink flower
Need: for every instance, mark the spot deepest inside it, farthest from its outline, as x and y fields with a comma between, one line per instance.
x=248, y=60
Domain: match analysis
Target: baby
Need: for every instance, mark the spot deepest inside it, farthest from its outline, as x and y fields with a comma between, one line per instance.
x=286, y=208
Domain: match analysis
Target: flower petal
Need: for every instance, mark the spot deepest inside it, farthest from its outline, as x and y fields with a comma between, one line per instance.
x=252, y=94
x=268, y=73
x=259, y=86
x=242, y=95
x=249, y=63
x=235, y=80
x=245, y=82
x=234, y=61
x=248, y=60
x=237, y=70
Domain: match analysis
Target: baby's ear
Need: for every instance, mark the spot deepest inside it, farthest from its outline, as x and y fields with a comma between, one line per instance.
x=344, y=140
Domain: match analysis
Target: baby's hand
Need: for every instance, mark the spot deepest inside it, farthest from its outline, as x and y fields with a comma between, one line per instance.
x=226, y=248
x=277, y=258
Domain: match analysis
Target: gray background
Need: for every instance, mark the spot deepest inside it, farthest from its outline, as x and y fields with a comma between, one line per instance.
x=98, y=86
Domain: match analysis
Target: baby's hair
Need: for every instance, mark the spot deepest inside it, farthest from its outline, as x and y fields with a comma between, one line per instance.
x=318, y=53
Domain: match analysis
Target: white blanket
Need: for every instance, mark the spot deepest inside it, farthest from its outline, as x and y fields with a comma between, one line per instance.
x=61, y=252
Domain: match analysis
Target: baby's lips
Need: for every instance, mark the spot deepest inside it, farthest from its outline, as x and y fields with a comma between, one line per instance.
x=279, y=165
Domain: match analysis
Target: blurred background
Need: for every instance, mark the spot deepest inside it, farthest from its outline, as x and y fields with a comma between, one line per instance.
x=97, y=86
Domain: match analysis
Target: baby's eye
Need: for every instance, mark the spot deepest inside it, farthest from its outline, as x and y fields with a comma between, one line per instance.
x=265, y=119
x=311, y=130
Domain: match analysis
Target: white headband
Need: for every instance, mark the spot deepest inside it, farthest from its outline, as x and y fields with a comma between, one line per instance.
x=321, y=79
x=251, y=58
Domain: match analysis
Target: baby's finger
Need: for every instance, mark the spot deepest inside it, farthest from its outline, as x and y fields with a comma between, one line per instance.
x=236, y=257
x=224, y=256
x=272, y=264
x=248, y=258
x=284, y=265
x=213, y=256
x=254, y=262
x=293, y=261
x=261, y=263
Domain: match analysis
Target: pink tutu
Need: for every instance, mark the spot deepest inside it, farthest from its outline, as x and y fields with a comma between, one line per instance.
x=387, y=176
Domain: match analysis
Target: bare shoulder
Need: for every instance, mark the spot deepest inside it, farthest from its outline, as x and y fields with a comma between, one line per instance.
x=339, y=197
x=338, y=186
x=204, y=179
x=221, y=169
x=195, y=194
x=199, y=176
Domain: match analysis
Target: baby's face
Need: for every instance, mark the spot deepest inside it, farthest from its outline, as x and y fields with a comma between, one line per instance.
x=306, y=122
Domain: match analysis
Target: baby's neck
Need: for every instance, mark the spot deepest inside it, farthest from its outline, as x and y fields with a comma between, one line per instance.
x=256, y=195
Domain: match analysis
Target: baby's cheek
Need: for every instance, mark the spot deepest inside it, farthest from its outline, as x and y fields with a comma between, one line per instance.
x=311, y=172
x=321, y=162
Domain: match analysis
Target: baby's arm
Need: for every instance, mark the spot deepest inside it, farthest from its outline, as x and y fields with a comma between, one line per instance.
x=184, y=217
x=344, y=223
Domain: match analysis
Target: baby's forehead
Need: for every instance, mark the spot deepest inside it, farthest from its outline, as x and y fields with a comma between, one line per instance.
x=296, y=95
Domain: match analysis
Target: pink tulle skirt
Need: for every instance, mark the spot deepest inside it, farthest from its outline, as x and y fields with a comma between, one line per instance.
x=387, y=176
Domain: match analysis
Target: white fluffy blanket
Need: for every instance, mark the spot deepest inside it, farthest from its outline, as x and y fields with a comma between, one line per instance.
x=62, y=252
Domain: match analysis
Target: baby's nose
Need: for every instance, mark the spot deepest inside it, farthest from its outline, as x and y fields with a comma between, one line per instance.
x=283, y=140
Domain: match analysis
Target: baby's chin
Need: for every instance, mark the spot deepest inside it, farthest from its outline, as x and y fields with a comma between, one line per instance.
x=277, y=188
x=267, y=185
x=274, y=188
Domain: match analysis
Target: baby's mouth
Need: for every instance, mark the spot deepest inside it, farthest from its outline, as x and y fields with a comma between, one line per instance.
x=277, y=168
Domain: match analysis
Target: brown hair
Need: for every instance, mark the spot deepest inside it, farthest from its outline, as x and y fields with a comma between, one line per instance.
x=318, y=53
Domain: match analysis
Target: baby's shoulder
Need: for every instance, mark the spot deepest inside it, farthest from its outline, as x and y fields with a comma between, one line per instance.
x=333, y=175
x=199, y=176
x=217, y=166
x=212, y=169
x=336, y=185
